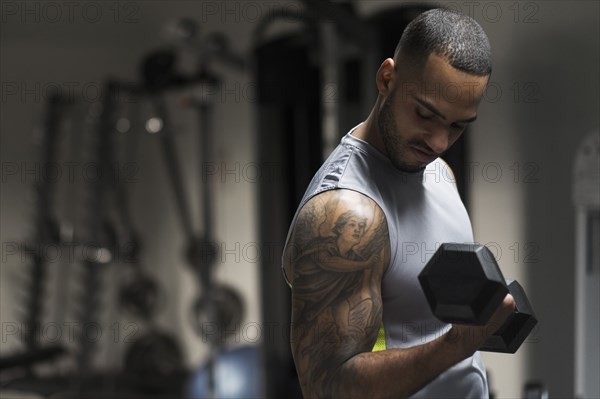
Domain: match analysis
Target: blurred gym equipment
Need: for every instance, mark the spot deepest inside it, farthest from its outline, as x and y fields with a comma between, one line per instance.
x=534, y=390
x=46, y=231
x=218, y=306
x=76, y=221
x=586, y=197
x=99, y=215
x=155, y=362
x=238, y=374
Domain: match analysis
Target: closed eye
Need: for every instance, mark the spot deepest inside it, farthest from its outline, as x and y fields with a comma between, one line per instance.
x=421, y=115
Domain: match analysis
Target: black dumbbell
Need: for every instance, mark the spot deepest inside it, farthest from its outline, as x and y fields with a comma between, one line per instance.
x=517, y=327
x=464, y=285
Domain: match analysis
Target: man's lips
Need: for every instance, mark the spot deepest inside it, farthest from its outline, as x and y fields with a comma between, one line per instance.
x=424, y=155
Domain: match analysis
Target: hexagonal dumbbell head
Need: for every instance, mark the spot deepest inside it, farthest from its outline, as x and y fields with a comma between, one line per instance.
x=463, y=283
x=517, y=327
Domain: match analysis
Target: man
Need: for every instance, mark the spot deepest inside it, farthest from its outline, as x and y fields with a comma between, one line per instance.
x=386, y=177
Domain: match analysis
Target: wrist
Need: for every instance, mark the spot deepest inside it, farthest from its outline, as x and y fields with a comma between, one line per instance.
x=459, y=342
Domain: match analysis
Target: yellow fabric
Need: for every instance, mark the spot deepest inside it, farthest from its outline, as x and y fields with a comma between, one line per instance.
x=380, y=343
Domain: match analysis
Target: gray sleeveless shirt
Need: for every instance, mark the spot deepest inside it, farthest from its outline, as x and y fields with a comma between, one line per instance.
x=423, y=210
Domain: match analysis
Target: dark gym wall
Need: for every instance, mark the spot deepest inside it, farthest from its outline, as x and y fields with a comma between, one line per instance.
x=563, y=64
x=544, y=98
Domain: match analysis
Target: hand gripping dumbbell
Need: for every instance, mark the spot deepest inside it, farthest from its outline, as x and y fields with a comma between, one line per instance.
x=464, y=285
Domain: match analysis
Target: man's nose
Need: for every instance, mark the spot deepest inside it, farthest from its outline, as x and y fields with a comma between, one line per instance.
x=437, y=140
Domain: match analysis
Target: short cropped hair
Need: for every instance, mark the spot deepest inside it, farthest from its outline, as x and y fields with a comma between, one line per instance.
x=449, y=34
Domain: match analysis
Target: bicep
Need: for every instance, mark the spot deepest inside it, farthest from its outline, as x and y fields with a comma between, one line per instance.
x=341, y=251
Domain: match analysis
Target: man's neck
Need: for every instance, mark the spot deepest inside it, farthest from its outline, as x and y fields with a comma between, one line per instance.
x=368, y=131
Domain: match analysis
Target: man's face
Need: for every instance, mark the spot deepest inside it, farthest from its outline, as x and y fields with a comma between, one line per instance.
x=427, y=111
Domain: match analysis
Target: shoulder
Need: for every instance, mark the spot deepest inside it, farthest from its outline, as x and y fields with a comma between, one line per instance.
x=338, y=217
x=331, y=208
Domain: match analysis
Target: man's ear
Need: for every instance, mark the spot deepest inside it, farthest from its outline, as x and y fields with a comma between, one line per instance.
x=386, y=77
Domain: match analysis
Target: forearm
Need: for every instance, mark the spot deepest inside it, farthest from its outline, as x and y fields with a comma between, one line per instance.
x=399, y=373
x=396, y=373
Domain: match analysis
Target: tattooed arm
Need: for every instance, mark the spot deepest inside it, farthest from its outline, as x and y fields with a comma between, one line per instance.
x=337, y=310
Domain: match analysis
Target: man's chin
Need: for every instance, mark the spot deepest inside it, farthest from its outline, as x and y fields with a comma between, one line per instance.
x=409, y=168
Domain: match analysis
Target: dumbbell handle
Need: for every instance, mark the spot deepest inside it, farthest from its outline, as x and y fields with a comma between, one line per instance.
x=517, y=327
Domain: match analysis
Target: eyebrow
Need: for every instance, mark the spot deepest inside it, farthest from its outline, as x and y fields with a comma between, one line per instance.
x=433, y=109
